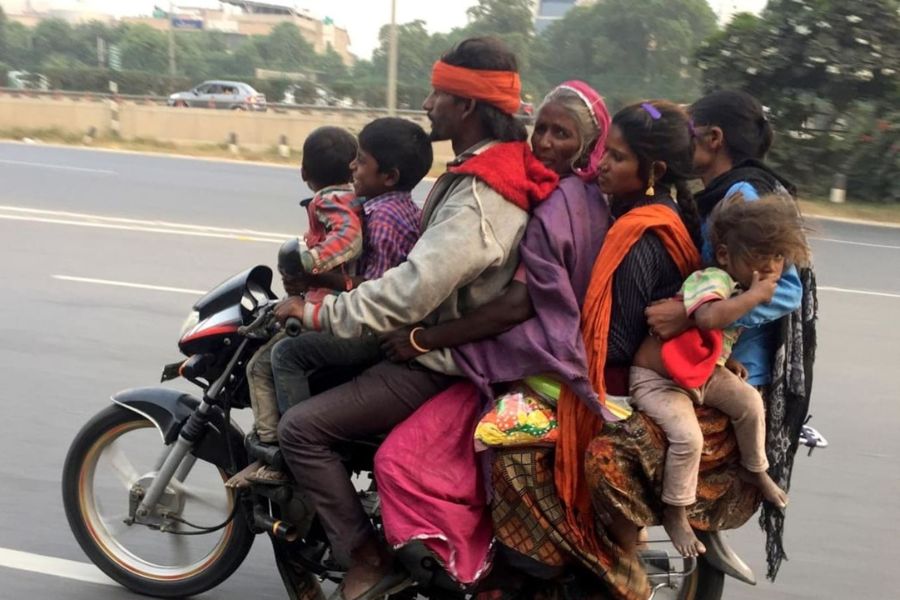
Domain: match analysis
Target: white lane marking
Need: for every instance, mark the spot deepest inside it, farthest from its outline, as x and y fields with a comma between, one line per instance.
x=826, y=288
x=146, y=229
x=128, y=221
x=140, y=286
x=866, y=244
x=49, y=565
x=23, y=163
x=147, y=153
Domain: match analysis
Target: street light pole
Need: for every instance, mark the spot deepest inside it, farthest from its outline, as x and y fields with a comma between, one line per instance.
x=392, y=62
x=171, y=42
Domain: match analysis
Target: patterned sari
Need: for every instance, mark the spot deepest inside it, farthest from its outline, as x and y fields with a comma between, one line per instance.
x=624, y=466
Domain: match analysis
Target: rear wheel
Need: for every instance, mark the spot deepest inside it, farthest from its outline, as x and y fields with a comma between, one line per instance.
x=705, y=583
x=675, y=578
x=114, y=455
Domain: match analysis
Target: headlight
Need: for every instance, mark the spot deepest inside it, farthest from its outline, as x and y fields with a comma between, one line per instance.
x=189, y=323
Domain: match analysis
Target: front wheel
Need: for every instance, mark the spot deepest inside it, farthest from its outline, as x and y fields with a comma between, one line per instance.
x=115, y=455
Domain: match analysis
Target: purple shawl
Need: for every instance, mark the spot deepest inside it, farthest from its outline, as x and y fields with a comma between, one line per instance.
x=561, y=242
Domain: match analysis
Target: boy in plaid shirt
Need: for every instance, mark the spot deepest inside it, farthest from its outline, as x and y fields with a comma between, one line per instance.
x=378, y=222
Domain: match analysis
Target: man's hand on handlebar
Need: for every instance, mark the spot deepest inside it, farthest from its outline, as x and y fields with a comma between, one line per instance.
x=290, y=307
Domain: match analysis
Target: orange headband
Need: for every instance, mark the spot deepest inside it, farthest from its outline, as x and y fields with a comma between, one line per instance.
x=502, y=89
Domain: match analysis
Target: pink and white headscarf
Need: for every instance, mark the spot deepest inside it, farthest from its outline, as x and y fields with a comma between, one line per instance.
x=601, y=118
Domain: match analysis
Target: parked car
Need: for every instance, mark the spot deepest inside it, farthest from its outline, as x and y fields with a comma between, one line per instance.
x=231, y=95
x=23, y=80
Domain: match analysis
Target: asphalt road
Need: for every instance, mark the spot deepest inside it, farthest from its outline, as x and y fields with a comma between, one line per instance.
x=71, y=221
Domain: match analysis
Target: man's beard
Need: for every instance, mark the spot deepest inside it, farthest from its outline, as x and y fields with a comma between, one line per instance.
x=436, y=135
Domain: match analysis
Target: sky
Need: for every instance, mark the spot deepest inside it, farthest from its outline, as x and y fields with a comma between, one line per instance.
x=361, y=18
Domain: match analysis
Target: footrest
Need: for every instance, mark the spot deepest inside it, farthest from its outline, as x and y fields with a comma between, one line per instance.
x=269, y=454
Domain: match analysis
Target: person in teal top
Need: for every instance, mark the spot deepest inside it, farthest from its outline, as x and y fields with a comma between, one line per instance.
x=756, y=346
x=732, y=136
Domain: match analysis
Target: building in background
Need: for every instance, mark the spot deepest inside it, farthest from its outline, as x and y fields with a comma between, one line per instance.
x=240, y=18
x=548, y=11
x=235, y=18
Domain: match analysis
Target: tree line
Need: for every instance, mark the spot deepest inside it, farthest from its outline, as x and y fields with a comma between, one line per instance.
x=827, y=70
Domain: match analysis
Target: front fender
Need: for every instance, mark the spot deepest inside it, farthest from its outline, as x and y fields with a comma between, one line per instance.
x=168, y=410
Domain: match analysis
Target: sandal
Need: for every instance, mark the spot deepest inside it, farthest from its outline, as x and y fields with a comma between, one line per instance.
x=393, y=582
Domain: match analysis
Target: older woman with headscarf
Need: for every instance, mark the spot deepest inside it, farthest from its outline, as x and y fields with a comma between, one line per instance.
x=429, y=479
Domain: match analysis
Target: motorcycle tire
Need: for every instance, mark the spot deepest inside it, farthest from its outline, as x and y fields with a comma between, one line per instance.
x=131, y=571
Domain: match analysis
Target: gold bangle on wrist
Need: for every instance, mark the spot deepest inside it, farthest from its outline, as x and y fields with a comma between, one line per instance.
x=412, y=341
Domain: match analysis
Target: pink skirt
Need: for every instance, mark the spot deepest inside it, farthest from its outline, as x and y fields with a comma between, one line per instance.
x=431, y=484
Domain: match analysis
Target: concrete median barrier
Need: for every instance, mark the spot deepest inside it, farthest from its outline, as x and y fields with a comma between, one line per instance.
x=187, y=126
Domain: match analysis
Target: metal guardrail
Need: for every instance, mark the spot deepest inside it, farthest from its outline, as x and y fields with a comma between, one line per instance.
x=276, y=107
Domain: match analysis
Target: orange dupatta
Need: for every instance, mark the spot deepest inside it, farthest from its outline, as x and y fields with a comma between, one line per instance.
x=579, y=423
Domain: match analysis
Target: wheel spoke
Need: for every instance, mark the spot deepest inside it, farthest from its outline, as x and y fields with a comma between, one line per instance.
x=210, y=498
x=115, y=525
x=121, y=465
x=180, y=551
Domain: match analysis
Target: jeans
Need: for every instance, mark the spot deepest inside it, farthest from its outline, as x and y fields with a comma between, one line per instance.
x=262, y=391
x=295, y=359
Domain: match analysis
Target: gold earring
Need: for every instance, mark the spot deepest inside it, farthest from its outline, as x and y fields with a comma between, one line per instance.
x=650, y=191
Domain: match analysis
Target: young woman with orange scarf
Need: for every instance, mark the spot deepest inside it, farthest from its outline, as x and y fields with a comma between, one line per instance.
x=650, y=248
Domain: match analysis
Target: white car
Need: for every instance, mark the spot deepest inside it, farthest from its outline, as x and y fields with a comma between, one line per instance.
x=231, y=95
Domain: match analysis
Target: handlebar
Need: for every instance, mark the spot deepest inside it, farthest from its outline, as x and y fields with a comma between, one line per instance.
x=263, y=326
x=293, y=327
x=257, y=327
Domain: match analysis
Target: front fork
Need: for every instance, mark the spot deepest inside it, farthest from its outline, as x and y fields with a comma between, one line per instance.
x=179, y=461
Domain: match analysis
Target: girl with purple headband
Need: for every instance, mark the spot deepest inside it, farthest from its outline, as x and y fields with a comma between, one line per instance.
x=428, y=474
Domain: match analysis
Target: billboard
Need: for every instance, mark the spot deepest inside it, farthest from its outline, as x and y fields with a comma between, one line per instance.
x=187, y=23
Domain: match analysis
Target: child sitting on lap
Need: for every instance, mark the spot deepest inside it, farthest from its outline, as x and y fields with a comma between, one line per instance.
x=752, y=242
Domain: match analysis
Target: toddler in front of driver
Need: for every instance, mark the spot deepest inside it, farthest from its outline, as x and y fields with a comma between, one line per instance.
x=752, y=242
x=363, y=221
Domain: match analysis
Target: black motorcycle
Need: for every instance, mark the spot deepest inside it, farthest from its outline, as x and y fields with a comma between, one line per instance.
x=143, y=481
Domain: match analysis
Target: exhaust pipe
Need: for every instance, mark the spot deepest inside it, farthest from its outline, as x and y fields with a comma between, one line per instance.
x=280, y=529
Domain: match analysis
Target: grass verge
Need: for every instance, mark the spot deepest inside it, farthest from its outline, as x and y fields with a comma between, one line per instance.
x=866, y=211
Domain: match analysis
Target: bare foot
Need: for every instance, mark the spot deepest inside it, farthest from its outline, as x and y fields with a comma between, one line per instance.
x=268, y=476
x=767, y=486
x=676, y=524
x=239, y=479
